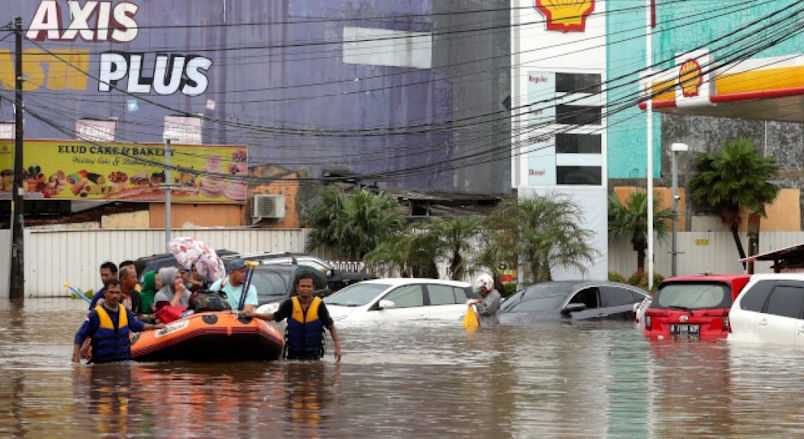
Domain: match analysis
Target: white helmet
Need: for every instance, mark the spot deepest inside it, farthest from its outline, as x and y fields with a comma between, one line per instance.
x=484, y=281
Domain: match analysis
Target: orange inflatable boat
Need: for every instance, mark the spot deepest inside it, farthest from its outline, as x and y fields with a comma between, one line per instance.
x=210, y=336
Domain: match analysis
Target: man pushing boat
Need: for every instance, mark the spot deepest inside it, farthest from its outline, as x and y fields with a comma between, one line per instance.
x=307, y=318
x=109, y=325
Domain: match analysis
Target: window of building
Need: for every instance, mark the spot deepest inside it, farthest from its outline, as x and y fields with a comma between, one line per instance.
x=578, y=83
x=578, y=114
x=578, y=144
x=580, y=175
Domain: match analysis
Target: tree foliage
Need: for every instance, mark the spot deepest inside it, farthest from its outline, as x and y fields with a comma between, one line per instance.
x=415, y=251
x=454, y=239
x=631, y=220
x=353, y=224
x=544, y=232
x=733, y=179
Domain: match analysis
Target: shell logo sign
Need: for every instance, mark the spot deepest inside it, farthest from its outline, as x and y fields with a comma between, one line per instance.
x=566, y=15
x=690, y=78
x=693, y=77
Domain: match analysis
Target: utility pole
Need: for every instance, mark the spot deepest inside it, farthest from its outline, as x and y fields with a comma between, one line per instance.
x=168, y=195
x=17, y=278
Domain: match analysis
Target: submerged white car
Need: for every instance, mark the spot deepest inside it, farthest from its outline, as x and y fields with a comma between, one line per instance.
x=400, y=299
x=770, y=309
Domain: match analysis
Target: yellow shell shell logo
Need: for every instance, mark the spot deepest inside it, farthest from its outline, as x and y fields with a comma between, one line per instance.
x=566, y=15
x=690, y=78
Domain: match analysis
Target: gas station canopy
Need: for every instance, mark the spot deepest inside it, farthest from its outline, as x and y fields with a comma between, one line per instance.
x=760, y=88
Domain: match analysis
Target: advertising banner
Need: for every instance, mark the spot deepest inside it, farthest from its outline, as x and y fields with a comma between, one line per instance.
x=74, y=169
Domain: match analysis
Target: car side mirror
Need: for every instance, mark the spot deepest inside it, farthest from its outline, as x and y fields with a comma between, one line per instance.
x=573, y=307
x=387, y=304
x=330, y=273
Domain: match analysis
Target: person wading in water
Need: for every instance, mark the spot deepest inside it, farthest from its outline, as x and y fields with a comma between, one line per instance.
x=307, y=317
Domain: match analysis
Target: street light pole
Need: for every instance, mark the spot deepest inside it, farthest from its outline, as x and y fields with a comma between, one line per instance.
x=649, y=113
x=168, y=195
x=675, y=149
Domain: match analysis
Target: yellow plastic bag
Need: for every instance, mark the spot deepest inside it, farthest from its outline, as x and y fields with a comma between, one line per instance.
x=470, y=321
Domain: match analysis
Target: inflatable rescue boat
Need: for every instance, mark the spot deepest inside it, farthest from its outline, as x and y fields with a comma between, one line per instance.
x=210, y=336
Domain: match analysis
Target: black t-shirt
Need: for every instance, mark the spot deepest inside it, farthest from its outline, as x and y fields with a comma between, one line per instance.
x=286, y=310
x=136, y=303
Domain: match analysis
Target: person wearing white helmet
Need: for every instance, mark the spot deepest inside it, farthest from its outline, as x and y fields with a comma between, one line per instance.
x=488, y=307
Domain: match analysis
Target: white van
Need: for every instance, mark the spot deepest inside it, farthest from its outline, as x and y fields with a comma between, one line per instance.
x=770, y=309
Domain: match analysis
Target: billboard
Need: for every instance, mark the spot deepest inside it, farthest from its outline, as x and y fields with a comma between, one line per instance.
x=278, y=75
x=117, y=171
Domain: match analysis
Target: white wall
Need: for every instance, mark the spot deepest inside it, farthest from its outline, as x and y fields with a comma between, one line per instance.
x=700, y=252
x=5, y=261
x=55, y=257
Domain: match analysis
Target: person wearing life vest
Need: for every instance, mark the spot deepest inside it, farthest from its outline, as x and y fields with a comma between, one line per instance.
x=307, y=318
x=109, y=326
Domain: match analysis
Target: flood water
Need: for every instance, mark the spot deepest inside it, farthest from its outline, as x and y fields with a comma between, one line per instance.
x=588, y=380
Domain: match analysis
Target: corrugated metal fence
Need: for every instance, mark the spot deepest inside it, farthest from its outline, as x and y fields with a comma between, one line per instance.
x=700, y=252
x=53, y=257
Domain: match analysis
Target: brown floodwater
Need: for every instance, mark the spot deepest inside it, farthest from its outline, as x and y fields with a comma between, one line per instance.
x=585, y=381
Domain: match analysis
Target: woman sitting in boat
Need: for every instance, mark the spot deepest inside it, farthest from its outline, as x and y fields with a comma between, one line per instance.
x=173, y=291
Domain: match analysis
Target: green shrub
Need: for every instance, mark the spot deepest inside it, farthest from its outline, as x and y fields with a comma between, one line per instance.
x=508, y=289
x=616, y=277
x=641, y=280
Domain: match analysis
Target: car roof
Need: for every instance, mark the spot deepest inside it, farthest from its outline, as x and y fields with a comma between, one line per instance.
x=711, y=277
x=562, y=287
x=581, y=283
x=778, y=276
x=276, y=267
x=396, y=281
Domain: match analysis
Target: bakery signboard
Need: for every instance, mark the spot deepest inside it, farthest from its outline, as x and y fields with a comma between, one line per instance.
x=73, y=169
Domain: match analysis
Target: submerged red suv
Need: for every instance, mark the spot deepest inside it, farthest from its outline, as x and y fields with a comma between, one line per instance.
x=693, y=306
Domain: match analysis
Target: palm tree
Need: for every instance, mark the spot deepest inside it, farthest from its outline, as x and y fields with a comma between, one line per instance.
x=353, y=224
x=394, y=252
x=412, y=252
x=545, y=232
x=734, y=179
x=454, y=238
x=631, y=219
x=495, y=254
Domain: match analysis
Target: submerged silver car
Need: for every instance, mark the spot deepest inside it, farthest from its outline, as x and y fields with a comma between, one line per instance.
x=572, y=300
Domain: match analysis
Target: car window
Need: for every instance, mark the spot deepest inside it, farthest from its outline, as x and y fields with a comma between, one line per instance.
x=356, y=295
x=464, y=294
x=270, y=284
x=785, y=301
x=531, y=304
x=406, y=296
x=615, y=296
x=587, y=296
x=693, y=295
x=442, y=294
x=540, y=297
x=755, y=298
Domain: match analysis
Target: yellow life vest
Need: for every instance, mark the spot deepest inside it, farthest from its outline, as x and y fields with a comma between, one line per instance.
x=312, y=310
x=106, y=321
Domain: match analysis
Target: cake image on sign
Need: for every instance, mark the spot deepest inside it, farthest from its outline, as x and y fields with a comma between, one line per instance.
x=212, y=186
x=690, y=78
x=236, y=190
x=566, y=15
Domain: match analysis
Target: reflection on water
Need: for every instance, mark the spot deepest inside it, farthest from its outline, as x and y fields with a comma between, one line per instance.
x=583, y=380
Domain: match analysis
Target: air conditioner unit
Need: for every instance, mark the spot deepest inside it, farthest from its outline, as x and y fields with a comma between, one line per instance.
x=268, y=206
